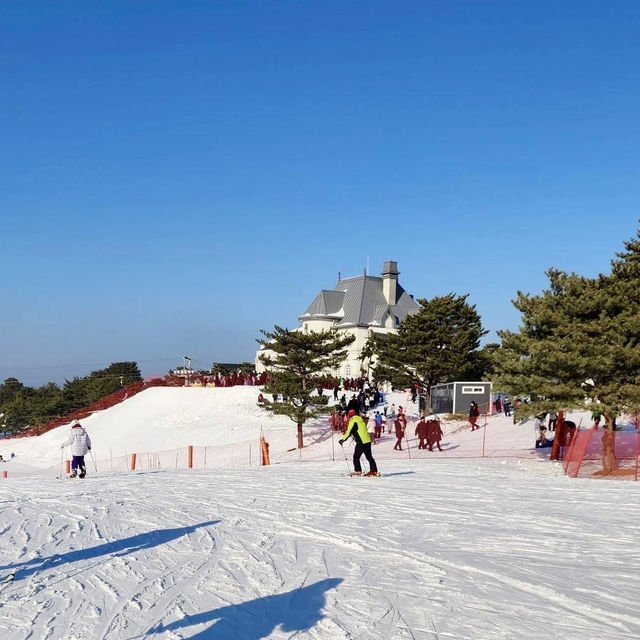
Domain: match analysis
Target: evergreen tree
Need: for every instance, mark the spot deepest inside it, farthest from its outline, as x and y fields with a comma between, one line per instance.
x=9, y=389
x=297, y=364
x=436, y=344
x=27, y=406
x=104, y=382
x=579, y=340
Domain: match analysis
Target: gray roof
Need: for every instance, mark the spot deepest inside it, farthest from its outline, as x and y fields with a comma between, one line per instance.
x=359, y=301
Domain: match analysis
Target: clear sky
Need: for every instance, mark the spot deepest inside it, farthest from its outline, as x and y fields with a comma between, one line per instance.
x=176, y=175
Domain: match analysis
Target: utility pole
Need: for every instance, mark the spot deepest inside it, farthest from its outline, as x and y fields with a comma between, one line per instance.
x=187, y=366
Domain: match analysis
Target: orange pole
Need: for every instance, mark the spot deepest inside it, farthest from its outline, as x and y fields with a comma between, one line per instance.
x=67, y=466
x=4, y=474
x=555, y=449
x=190, y=456
x=264, y=445
x=133, y=461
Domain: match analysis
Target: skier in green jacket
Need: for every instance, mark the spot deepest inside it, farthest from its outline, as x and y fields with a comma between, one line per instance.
x=357, y=428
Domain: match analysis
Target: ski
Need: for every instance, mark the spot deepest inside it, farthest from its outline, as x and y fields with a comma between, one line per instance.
x=363, y=475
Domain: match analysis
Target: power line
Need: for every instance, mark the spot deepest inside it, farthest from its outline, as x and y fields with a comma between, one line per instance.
x=90, y=364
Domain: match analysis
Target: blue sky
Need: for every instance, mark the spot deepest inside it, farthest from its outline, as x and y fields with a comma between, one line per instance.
x=175, y=176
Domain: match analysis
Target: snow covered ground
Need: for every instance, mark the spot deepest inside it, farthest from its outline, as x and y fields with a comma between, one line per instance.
x=444, y=545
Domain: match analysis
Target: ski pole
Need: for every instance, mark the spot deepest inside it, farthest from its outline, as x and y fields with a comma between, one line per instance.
x=95, y=466
x=345, y=458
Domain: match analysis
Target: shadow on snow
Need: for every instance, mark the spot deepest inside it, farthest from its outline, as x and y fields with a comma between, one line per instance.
x=296, y=610
x=117, y=548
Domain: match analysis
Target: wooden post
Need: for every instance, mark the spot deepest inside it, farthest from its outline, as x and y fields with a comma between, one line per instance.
x=133, y=461
x=4, y=474
x=67, y=466
x=190, y=456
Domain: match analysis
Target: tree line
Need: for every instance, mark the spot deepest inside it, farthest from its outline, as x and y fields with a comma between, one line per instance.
x=22, y=406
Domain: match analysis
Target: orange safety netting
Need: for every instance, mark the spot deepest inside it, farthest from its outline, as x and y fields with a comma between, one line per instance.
x=601, y=453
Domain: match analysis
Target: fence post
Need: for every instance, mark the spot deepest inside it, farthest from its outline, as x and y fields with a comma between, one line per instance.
x=4, y=474
x=133, y=462
x=264, y=446
x=484, y=437
x=67, y=466
x=190, y=456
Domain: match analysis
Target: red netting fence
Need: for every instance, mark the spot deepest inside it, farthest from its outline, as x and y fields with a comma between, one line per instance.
x=601, y=453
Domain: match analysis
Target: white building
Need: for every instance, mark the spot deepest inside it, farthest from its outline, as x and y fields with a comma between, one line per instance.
x=359, y=306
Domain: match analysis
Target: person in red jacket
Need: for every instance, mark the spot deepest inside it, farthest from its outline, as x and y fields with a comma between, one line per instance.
x=474, y=413
x=421, y=432
x=399, y=427
x=434, y=434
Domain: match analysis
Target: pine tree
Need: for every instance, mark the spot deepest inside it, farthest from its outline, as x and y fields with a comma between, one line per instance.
x=439, y=343
x=297, y=363
x=579, y=340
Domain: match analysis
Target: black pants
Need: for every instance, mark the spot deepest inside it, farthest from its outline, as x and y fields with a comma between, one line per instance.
x=357, y=454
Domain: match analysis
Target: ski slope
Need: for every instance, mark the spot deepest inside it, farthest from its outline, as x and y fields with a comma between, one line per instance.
x=442, y=546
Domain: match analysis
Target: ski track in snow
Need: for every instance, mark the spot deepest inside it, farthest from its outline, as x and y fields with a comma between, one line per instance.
x=441, y=547
x=453, y=549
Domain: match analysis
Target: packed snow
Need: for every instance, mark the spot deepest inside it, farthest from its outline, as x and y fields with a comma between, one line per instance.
x=484, y=540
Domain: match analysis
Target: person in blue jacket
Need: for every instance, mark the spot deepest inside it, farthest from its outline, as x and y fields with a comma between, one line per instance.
x=357, y=428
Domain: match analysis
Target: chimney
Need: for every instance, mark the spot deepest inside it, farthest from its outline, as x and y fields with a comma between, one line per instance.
x=390, y=281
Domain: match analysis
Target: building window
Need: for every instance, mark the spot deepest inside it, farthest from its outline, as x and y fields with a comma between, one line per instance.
x=347, y=371
x=473, y=390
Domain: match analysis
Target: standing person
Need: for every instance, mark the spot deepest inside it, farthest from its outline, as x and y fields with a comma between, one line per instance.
x=474, y=413
x=357, y=428
x=507, y=408
x=354, y=404
x=391, y=416
x=421, y=432
x=553, y=420
x=371, y=427
x=434, y=434
x=80, y=446
x=399, y=427
x=378, y=425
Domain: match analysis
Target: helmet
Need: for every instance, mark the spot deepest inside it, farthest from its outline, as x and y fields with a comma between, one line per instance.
x=351, y=413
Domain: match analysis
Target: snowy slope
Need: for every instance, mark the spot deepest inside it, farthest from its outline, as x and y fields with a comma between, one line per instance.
x=162, y=418
x=440, y=547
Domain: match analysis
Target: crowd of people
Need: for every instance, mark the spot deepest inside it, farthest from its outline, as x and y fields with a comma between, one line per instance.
x=389, y=419
x=237, y=378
